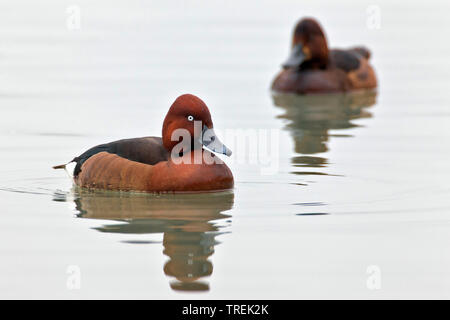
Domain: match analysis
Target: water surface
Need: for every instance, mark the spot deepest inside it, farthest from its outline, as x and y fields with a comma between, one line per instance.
x=361, y=180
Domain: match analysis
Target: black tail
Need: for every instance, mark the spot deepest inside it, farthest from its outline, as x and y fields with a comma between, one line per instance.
x=61, y=166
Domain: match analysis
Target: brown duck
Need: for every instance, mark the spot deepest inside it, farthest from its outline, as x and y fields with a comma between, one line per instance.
x=149, y=164
x=313, y=68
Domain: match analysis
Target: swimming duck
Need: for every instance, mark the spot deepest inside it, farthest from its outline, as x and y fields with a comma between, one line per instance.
x=154, y=164
x=313, y=68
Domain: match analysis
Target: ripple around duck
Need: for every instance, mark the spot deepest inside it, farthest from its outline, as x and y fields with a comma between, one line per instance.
x=189, y=223
x=310, y=204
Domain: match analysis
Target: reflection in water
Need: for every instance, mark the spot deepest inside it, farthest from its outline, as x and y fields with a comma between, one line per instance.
x=186, y=221
x=312, y=116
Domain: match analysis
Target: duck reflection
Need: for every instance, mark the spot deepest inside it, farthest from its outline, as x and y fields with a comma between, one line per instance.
x=187, y=222
x=312, y=116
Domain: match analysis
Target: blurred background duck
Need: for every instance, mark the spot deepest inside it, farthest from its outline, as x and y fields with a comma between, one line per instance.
x=313, y=68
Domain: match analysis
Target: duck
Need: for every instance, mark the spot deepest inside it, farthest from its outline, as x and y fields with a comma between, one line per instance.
x=312, y=68
x=183, y=160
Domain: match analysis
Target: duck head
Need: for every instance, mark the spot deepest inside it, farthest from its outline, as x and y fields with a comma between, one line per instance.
x=191, y=114
x=309, y=46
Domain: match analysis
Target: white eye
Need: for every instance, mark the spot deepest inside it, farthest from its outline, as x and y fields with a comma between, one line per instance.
x=190, y=118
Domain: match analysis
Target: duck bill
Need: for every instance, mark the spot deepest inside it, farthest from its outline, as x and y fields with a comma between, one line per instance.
x=211, y=142
x=296, y=57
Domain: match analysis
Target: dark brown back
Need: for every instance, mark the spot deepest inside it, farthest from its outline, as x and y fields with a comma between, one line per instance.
x=148, y=150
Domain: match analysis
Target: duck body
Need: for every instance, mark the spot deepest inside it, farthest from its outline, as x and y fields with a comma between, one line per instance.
x=110, y=171
x=148, y=164
x=314, y=69
x=311, y=81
